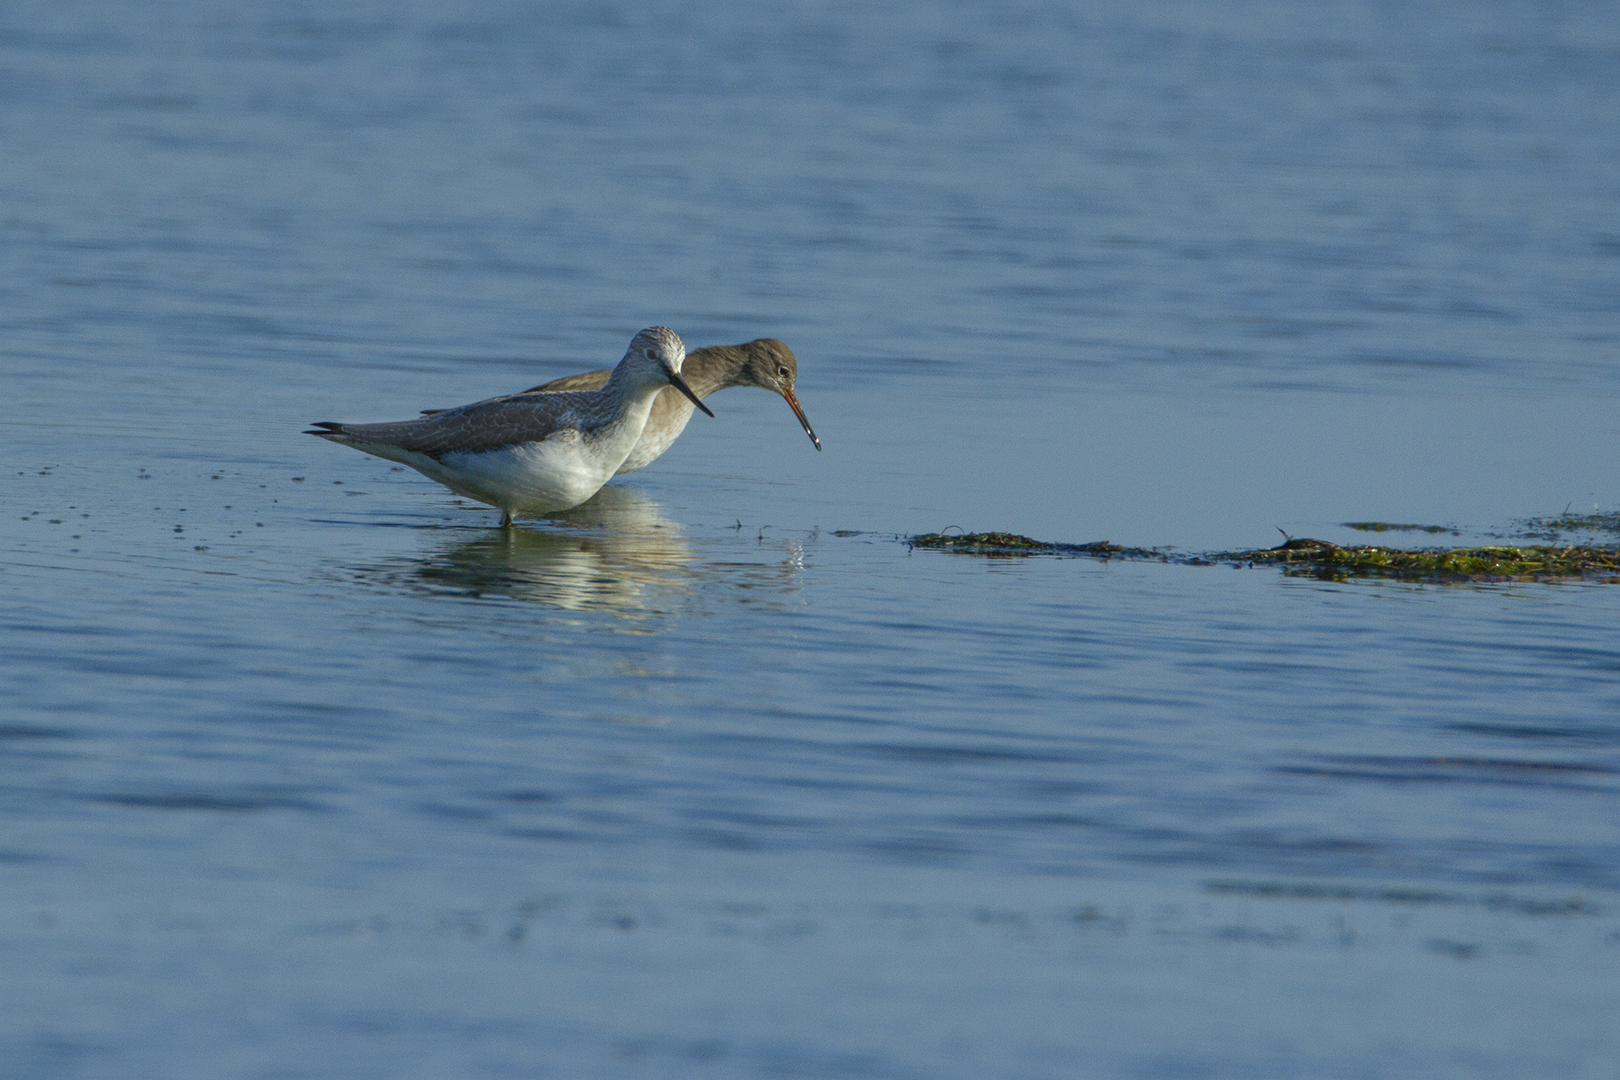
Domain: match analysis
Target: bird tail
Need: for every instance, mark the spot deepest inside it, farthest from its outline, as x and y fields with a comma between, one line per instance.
x=329, y=430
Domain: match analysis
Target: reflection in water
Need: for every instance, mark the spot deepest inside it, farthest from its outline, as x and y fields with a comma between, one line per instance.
x=617, y=551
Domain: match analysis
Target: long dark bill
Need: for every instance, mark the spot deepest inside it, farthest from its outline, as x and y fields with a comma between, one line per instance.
x=680, y=384
x=793, y=400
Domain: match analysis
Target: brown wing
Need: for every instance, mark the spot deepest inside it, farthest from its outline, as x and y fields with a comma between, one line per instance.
x=696, y=369
x=701, y=370
x=590, y=380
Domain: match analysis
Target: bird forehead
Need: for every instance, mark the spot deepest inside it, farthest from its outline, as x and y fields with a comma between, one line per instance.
x=659, y=337
x=775, y=351
x=772, y=355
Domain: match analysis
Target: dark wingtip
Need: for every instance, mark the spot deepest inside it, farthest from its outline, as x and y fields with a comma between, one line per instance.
x=327, y=428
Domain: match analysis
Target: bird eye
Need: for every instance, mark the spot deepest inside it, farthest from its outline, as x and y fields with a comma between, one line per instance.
x=782, y=371
x=652, y=354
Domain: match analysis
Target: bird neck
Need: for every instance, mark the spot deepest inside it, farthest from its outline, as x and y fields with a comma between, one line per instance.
x=627, y=398
x=628, y=380
x=716, y=367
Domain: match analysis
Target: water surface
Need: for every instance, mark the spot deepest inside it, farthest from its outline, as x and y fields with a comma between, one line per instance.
x=307, y=770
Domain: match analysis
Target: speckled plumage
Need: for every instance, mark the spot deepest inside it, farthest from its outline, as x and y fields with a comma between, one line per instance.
x=532, y=453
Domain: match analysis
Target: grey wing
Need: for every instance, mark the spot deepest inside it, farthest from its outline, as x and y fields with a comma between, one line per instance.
x=470, y=429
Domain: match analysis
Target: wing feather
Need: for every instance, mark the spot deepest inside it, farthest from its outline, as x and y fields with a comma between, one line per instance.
x=476, y=428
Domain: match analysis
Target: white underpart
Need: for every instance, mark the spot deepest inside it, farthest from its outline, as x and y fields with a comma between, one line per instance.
x=541, y=477
x=651, y=446
x=558, y=450
x=536, y=477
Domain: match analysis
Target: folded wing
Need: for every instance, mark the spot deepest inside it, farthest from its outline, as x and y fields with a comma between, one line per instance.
x=470, y=429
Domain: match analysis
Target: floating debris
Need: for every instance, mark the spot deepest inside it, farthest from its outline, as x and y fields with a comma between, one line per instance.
x=1329, y=561
x=1002, y=544
x=1318, y=558
x=1388, y=526
x=1555, y=528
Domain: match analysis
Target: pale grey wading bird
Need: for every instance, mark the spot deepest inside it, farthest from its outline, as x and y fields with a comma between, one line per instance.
x=766, y=363
x=533, y=453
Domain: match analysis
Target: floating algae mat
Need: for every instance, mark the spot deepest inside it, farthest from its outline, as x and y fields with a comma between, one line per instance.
x=1000, y=543
x=1318, y=558
x=1556, y=528
x=1388, y=526
x=1322, y=559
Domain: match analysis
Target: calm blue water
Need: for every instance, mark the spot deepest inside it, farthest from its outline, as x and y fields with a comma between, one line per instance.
x=308, y=771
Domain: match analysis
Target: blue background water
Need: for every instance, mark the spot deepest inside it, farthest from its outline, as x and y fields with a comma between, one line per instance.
x=307, y=771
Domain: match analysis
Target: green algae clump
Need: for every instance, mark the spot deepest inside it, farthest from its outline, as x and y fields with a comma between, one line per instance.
x=1000, y=543
x=1004, y=543
x=1554, y=528
x=1389, y=526
x=1321, y=559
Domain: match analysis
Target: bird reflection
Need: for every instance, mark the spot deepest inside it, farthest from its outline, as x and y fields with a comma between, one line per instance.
x=617, y=552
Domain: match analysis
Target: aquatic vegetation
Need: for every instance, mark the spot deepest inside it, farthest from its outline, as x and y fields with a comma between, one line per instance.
x=1555, y=528
x=1322, y=559
x=1003, y=544
x=1319, y=558
x=1387, y=526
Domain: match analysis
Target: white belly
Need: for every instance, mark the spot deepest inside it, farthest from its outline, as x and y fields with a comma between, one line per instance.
x=532, y=478
x=555, y=473
x=526, y=478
